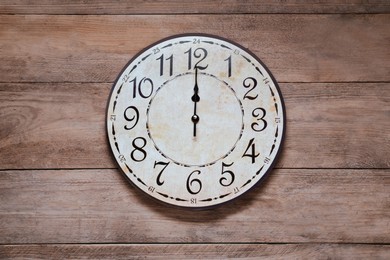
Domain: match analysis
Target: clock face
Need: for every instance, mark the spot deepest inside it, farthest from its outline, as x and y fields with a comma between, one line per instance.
x=195, y=120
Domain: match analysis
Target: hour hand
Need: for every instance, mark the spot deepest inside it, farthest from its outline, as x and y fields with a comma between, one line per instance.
x=195, y=98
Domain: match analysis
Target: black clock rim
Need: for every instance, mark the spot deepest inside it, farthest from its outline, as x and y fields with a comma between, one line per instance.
x=282, y=140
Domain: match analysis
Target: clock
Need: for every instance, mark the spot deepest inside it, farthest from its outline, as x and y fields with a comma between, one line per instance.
x=195, y=120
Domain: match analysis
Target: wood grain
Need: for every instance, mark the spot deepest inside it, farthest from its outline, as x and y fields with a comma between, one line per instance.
x=296, y=48
x=61, y=195
x=197, y=251
x=99, y=206
x=191, y=7
x=62, y=125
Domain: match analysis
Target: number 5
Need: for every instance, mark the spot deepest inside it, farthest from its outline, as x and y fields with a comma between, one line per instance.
x=224, y=179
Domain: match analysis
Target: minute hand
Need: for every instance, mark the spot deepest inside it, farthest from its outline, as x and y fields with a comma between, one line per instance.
x=195, y=98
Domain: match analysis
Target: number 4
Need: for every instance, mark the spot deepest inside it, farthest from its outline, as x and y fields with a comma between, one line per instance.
x=252, y=153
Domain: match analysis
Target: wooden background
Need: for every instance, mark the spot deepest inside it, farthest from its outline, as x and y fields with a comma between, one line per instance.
x=62, y=196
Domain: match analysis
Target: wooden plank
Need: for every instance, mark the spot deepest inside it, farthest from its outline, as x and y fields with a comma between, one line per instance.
x=62, y=125
x=191, y=7
x=197, y=251
x=53, y=126
x=296, y=48
x=99, y=206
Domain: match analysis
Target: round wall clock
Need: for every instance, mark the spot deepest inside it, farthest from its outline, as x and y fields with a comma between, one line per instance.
x=195, y=120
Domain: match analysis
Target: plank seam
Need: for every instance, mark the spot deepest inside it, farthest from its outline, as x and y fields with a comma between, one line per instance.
x=199, y=243
x=94, y=169
x=194, y=14
x=112, y=82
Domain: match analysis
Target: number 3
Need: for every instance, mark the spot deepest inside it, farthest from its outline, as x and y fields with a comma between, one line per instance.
x=257, y=115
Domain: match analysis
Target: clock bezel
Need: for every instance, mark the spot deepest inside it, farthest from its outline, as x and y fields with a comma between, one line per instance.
x=283, y=108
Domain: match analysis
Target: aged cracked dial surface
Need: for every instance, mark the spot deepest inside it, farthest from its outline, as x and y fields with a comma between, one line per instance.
x=195, y=120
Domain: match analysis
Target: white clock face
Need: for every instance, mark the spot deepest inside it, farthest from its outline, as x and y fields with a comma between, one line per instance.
x=195, y=120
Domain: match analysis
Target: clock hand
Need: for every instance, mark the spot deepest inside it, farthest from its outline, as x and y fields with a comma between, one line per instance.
x=195, y=98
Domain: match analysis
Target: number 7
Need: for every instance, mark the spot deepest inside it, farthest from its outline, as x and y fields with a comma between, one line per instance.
x=158, y=180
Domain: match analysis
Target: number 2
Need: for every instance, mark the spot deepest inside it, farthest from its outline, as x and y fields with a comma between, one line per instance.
x=252, y=85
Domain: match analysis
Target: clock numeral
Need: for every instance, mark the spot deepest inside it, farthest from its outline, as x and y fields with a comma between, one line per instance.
x=113, y=118
x=193, y=201
x=194, y=186
x=258, y=118
x=229, y=61
x=236, y=190
x=125, y=78
x=199, y=53
x=165, y=164
x=170, y=59
x=121, y=158
x=156, y=50
x=131, y=114
x=196, y=41
x=143, y=84
x=267, y=160
x=277, y=120
x=225, y=181
x=151, y=189
x=250, y=83
x=138, y=154
x=252, y=153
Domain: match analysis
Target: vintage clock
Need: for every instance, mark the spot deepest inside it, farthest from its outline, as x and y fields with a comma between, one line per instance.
x=195, y=120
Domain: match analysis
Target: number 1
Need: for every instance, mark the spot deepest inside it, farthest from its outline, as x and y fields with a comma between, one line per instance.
x=229, y=60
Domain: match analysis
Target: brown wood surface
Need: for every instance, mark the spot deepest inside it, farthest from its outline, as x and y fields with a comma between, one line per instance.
x=196, y=251
x=62, y=196
x=329, y=125
x=296, y=48
x=99, y=206
x=191, y=7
